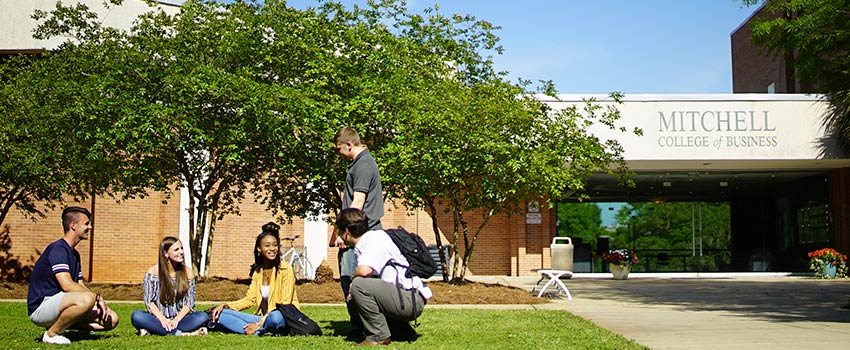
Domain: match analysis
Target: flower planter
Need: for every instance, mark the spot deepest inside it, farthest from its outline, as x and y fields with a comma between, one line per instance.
x=829, y=271
x=828, y=263
x=620, y=272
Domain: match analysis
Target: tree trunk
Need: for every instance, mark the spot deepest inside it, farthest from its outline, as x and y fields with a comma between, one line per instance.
x=8, y=200
x=198, y=237
x=432, y=209
x=210, y=233
x=455, y=231
x=466, y=245
x=468, y=253
x=194, y=246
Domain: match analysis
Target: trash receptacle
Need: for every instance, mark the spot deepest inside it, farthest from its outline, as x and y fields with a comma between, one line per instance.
x=561, y=251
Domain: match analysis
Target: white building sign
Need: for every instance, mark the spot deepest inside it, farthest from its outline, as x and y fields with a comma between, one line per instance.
x=720, y=127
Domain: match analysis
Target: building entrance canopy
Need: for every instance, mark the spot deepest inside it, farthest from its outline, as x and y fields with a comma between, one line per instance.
x=706, y=147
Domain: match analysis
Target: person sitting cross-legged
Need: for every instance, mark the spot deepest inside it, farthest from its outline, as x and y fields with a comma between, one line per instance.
x=272, y=283
x=169, y=295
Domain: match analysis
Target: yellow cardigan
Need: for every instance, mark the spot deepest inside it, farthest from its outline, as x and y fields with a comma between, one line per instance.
x=281, y=291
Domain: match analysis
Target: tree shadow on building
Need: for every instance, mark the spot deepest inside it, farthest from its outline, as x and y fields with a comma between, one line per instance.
x=11, y=267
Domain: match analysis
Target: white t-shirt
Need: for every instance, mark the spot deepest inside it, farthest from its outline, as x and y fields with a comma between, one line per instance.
x=375, y=249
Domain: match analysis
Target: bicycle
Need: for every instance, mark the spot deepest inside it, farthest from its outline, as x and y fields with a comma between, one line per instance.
x=298, y=260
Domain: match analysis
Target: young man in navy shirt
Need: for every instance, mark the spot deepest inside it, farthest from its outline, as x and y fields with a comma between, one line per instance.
x=57, y=298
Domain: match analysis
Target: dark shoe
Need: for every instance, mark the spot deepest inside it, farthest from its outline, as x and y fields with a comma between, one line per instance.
x=368, y=342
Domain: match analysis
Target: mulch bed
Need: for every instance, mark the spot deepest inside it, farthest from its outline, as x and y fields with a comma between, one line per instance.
x=219, y=289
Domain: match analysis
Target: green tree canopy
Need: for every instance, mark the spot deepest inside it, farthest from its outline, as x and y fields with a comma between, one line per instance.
x=190, y=99
x=814, y=35
x=672, y=225
x=49, y=147
x=580, y=220
x=224, y=99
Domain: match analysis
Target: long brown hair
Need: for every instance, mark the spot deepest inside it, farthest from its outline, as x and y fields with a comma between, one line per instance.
x=169, y=293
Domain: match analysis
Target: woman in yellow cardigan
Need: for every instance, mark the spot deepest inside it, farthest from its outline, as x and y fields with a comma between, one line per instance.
x=272, y=283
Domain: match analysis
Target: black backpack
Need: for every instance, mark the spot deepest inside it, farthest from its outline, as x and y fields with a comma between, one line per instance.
x=415, y=251
x=297, y=323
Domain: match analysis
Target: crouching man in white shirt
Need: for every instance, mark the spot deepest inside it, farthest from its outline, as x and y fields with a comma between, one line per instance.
x=387, y=303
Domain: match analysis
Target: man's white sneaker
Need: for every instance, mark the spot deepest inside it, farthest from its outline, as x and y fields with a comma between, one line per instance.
x=56, y=339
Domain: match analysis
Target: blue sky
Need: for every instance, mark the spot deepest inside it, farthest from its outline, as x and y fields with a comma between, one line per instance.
x=595, y=47
x=599, y=46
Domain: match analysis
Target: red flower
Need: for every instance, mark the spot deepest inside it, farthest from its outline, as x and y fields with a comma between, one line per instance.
x=828, y=255
x=620, y=257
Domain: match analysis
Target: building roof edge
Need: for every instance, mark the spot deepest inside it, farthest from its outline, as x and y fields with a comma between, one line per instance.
x=685, y=97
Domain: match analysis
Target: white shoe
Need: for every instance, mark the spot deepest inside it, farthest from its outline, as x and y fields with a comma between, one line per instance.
x=56, y=339
x=143, y=332
x=198, y=332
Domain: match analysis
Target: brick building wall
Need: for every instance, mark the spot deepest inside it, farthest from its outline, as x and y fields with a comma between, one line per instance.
x=530, y=247
x=491, y=254
x=127, y=235
x=125, y=239
x=235, y=236
x=753, y=68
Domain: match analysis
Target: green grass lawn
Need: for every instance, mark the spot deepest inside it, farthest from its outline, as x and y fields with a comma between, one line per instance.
x=465, y=329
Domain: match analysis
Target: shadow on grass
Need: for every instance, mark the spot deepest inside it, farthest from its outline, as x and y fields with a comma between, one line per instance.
x=76, y=335
x=398, y=331
x=340, y=328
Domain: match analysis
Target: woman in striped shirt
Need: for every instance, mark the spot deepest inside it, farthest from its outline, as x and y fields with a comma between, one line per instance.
x=169, y=294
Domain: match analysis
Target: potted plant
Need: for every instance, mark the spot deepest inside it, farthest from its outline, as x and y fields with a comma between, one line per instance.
x=620, y=261
x=828, y=263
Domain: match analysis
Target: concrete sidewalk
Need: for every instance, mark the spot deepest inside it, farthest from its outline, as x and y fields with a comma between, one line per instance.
x=736, y=311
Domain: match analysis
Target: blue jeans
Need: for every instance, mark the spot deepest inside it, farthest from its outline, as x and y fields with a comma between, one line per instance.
x=192, y=321
x=235, y=321
x=347, y=264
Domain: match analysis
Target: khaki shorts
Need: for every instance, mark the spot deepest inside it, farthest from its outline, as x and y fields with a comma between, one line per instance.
x=48, y=312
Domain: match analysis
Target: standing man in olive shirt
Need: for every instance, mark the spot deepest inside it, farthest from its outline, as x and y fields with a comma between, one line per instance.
x=362, y=191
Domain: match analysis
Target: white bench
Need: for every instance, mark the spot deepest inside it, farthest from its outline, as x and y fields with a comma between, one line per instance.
x=554, y=279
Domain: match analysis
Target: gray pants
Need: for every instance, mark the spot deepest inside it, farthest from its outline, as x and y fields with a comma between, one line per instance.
x=378, y=304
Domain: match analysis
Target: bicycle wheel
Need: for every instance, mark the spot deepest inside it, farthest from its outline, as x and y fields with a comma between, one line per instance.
x=297, y=266
x=306, y=268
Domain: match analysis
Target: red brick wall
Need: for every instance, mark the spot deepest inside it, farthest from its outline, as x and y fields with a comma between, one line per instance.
x=127, y=235
x=507, y=245
x=395, y=215
x=531, y=241
x=753, y=68
x=125, y=238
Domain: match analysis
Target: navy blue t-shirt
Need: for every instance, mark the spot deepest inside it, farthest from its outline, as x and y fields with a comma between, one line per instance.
x=57, y=257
